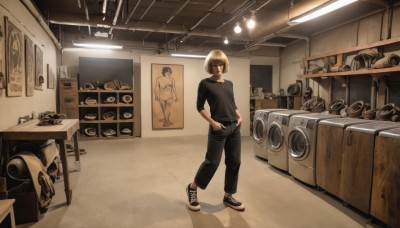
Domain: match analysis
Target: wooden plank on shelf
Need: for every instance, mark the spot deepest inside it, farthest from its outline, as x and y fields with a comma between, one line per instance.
x=358, y=48
x=354, y=73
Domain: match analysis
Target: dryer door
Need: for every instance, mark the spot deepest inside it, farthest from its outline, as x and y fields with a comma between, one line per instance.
x=275, y=136
x=259, y=131
x=298, y=144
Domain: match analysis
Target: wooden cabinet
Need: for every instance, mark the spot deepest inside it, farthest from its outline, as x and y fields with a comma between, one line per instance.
x=265, y=103
x=69, y=98
x=106, y=114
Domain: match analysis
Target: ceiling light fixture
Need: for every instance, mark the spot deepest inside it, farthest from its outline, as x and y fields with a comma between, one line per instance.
x=237, y=28
x=251, y=23
x=322, y=11
x=226, y=41
x=189, y=56
x=96, y=44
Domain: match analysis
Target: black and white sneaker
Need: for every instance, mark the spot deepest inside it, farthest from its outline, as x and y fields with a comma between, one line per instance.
x=192, y=204
x=233, y=203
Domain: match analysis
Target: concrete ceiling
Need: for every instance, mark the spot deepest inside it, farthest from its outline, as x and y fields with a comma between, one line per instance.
x=193, y=25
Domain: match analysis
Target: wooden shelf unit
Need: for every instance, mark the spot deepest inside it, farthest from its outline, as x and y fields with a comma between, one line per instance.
x=339, y=56
x=100, y=108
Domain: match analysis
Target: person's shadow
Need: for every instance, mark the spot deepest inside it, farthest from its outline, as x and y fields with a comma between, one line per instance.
x=205, y=217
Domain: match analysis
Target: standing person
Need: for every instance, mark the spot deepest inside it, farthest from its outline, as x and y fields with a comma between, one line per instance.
x=165, y=93
x=223, y=134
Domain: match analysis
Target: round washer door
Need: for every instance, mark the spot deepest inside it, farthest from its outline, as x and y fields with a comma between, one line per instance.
x=275, y=136
x=298, y=144
x=259, y=131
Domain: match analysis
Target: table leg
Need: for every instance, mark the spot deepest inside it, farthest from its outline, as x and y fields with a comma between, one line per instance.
x=63, y=155
x=77, y=153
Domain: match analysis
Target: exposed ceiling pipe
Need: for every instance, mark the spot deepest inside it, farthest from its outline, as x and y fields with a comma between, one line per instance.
x=186, y=36
x=104, y=7
x=148, y=8
x=117, y=12
x=178, y=11
x=273, y=45
x=240, y=11
x=33, y=11
x=139, y=26
x=206, y=15
x=79, y=4
x=278, y=24
x=133, y=11
x=265, y=3
x=294, y=36
x=86, y=10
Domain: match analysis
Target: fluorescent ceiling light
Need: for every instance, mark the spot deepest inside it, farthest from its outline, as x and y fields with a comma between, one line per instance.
x=324, y=10
x=96, y=44
x=189, y=56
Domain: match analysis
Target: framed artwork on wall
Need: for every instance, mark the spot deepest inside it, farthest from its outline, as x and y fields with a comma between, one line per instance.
x=14, y=59
x=39, y=79
x=167, y=96
x=50, y=77
x=29, y=67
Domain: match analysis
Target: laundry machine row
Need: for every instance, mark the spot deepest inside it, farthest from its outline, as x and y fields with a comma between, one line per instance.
x=278, y=130
x=260, y=123
x=358, y=162
x=302, y=143
x=385, y=196
x=329, y=152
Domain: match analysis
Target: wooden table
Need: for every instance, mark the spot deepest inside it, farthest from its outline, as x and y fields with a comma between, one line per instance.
x=6, y=210
x=67, y=130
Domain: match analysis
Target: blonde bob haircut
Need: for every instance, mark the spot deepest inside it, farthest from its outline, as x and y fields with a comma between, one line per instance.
x=216, y=56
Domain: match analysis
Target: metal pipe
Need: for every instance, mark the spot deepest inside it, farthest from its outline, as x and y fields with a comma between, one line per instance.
x=133, y=11
x=272, y=44
x=206, y=15
x=148, y=8
x=79, y=4
x=245, y=7
x=104, y=7
x=117, y=12
x=33, y=11
x=178, y=11
x=86, y=10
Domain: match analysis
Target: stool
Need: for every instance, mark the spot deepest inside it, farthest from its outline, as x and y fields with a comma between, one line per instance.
x=7, y=211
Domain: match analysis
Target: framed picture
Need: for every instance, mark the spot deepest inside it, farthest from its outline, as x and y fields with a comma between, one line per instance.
x=29, y=67
x=39, y=79
x=50, y=77
x=14, y=59
x=167, y=96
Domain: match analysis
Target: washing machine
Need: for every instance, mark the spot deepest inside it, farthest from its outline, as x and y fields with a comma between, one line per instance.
x=329, y=158
x=358, y=161
x=302, y=142
x=260, y=132
x=278, y=125
x=385, y=197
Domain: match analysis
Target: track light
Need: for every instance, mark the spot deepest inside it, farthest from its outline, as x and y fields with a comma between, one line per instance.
x=251, y=23
x=226, y=41
x=237, y=28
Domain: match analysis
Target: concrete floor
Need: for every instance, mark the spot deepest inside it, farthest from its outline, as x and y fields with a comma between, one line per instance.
x=141, y=183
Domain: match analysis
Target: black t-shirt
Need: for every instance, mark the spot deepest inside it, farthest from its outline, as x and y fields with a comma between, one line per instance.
x=220, y=98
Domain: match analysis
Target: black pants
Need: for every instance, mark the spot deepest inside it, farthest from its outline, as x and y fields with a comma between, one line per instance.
x=228, y=139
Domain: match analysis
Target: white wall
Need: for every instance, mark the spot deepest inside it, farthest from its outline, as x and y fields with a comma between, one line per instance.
x=194, y=124
x=13, y=107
